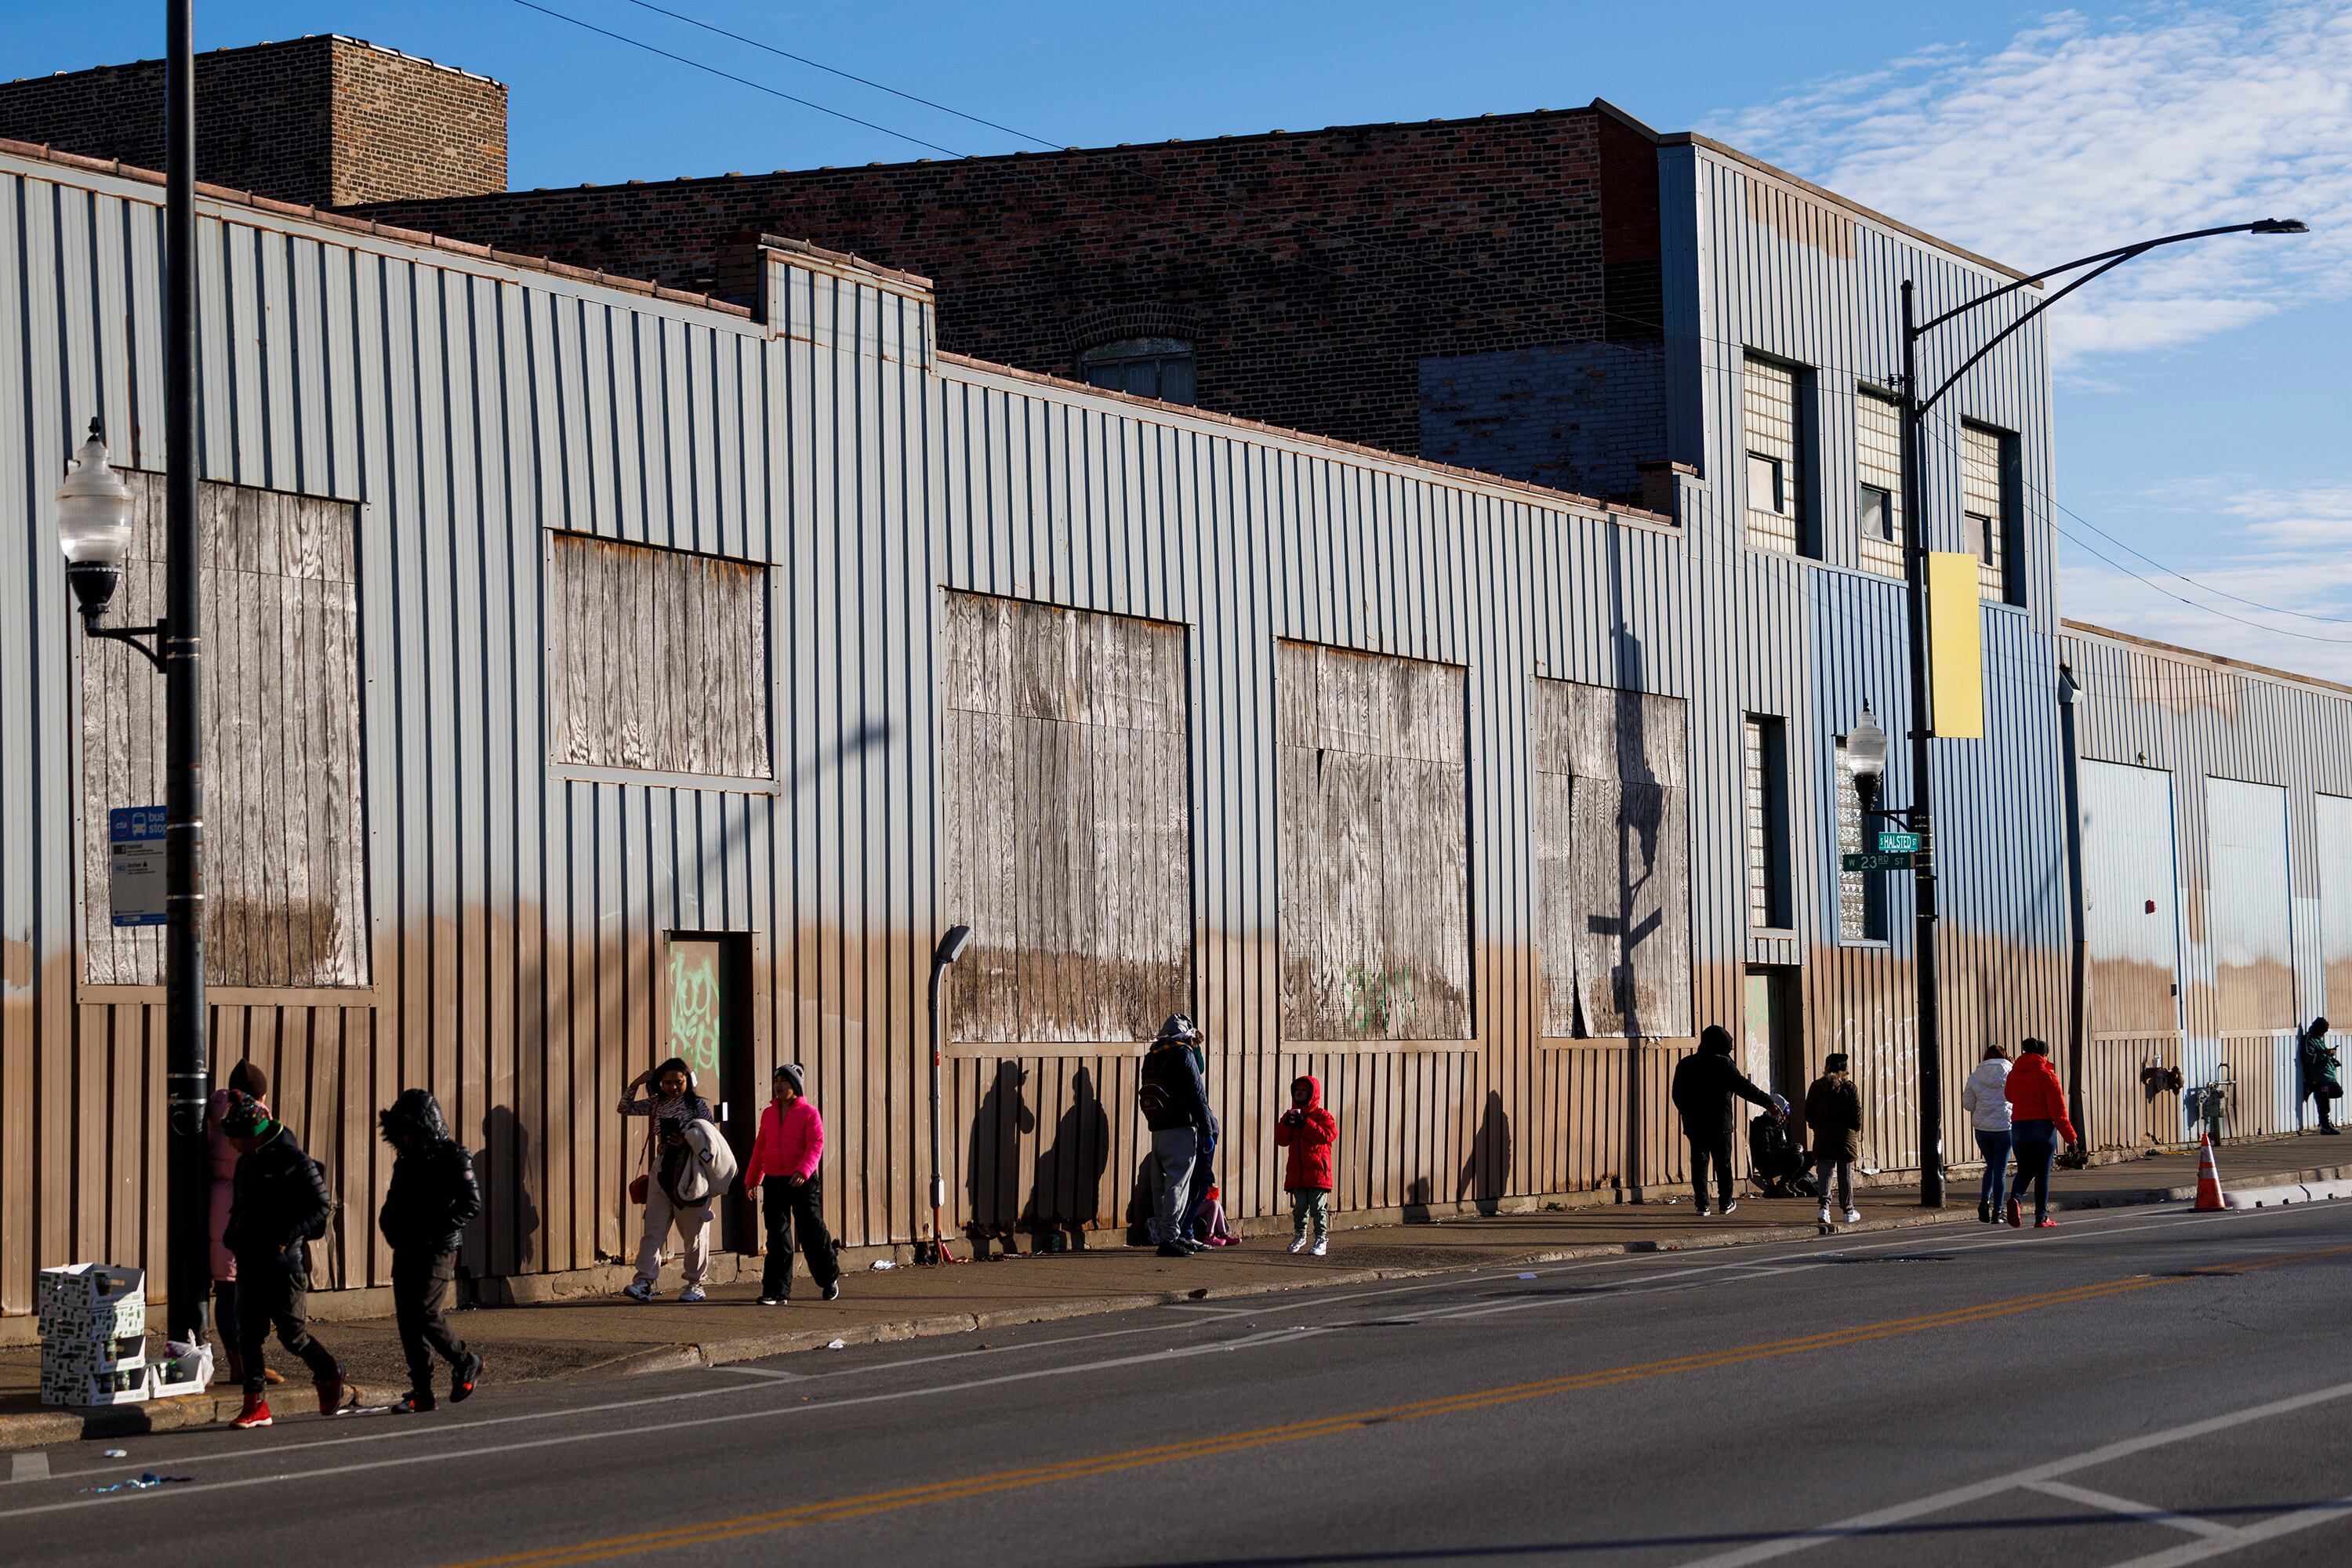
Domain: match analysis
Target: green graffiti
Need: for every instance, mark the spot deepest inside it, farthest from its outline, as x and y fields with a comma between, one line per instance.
x=1376, y=997
x=694, y=1010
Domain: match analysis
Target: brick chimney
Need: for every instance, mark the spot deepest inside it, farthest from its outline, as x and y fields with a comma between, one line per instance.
x=324, y=121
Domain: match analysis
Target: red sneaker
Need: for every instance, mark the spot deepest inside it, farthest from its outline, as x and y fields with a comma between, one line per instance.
x=330, y=1392
x=461, y=1386
x=2011, y=1213
x=2045, y=1225
x=255, y=1414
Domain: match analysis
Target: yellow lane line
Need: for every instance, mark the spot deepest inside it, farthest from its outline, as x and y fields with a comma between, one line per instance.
x=1299, y=1431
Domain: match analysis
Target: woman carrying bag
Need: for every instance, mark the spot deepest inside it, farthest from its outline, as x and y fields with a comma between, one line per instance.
x=672, y=1107
x=2320, y=1068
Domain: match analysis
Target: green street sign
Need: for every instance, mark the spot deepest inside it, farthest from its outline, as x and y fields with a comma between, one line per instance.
x=1881, y=862
x=1898, y=843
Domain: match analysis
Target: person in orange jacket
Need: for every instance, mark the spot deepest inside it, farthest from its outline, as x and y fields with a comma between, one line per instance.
x=2037, y=1119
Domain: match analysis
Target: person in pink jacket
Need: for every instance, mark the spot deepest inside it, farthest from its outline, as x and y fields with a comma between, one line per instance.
x=782, y=1174
x=221, y=1156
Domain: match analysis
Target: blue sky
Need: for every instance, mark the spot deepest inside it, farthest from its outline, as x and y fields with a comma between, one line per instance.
x=2202, y=415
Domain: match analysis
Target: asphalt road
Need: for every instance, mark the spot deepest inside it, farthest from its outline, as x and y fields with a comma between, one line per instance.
x=2144, y=1387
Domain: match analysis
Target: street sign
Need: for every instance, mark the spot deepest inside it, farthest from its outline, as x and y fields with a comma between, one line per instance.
x=1880, y=862
x=137, y=881
x=1898, y=844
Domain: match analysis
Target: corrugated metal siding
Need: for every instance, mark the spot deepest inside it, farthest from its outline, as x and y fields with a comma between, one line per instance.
x=1811, y=640
x=470, y=408
x=2202, y=719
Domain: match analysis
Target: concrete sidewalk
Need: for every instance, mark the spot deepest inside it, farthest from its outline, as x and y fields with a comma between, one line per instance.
x=608, y=1335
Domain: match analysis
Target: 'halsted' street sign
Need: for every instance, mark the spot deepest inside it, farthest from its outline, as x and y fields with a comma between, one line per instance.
x=1898, y=843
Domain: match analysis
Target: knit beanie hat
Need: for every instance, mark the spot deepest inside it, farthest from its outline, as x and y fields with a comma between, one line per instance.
x=246, y=1117
x=792, y=1071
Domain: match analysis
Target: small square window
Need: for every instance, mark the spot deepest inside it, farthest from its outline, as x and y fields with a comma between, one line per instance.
x=1877, y=512
x=1768, y=487
x=1988, y=543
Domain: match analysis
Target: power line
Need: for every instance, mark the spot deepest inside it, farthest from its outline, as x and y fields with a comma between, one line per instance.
x=741, y=80
x=834, y=70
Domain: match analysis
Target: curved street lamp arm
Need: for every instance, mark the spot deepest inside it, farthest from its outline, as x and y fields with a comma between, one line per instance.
x=2108, y=259
x=2117, y=260
x=2265, y=225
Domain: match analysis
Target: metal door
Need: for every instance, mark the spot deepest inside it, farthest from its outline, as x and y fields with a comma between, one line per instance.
x=707, y=1014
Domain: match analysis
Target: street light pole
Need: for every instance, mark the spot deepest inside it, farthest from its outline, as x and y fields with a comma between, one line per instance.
x=188, y=1079
x=1917, y=544
x=1929, y=1027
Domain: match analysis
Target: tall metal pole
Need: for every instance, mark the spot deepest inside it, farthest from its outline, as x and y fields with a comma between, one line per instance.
x=188, y=1080
x=1923, y=865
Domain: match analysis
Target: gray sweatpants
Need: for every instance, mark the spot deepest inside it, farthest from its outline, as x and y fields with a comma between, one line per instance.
x=1172, y=1152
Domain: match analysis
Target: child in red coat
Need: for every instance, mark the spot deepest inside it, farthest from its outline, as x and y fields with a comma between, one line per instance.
x=1307, y=1130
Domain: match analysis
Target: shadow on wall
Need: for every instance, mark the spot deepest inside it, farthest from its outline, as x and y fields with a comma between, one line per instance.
x=992, y=1160
x=507, y=1173
x=1486, y=1176
x=1067, y=1196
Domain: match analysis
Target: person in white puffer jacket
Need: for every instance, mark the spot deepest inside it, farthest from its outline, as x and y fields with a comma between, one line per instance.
x=1985, y=1097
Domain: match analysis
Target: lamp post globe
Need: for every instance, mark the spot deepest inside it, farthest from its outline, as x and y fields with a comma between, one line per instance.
x=1865, y=756
x=93, y=525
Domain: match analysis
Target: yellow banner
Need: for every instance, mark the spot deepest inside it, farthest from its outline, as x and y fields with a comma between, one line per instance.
x=1955, y=646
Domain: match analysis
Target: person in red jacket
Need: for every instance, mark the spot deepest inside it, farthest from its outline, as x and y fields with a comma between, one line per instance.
x=2037, y=1119
x=782, y=1174
x=1308, y=1130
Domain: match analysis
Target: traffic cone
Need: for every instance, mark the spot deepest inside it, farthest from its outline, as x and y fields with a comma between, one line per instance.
x=2208, y=1180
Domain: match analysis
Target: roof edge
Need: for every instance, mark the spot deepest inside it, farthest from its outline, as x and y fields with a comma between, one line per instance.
x=271, y=43
x=2198, y=655
x=327, y=218
x=1821, y=193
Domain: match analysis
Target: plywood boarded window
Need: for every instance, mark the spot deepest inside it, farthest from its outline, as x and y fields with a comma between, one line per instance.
x=1774, y=416
x=1612, y=821
x=1065, y=777
x=1375, y=898
x=1878, y=453
x=656, y=660
x=285, y=826
x=2246, y=905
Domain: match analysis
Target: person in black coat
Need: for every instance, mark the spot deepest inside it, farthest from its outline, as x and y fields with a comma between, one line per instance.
x=432, y=1199
x=1175, y=1105
x=1706, y=1082
x=279, y=1201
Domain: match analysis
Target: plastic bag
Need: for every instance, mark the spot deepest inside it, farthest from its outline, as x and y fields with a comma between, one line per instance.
x=184, y=1368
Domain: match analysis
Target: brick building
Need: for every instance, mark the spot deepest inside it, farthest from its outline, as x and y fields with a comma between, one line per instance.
x=1460, y=290
x=323, y=120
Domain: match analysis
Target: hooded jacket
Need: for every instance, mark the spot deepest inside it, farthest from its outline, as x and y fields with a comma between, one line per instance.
x=1182, y=1098
x=1706, y=1082
x=1308, y=1133
x=2034, y=1096
x=434, y=1195
x=1833, y=1113
x=280, y=1201
x=1985, y=1095
x=221, y=1157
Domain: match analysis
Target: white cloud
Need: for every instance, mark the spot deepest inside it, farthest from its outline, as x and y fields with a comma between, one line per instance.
x=2282, y=596
x=2077, y=135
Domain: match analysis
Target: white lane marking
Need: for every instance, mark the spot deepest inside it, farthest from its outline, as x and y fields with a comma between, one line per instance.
x=773, y=1375
x=32, y=1466
x=1977, y=1492
x=2147, y=1514
x=2238, y=1540
x=1306, y=1299
x=637, y=1432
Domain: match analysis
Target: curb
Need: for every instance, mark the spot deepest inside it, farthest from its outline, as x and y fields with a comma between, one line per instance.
x=46, y=1428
